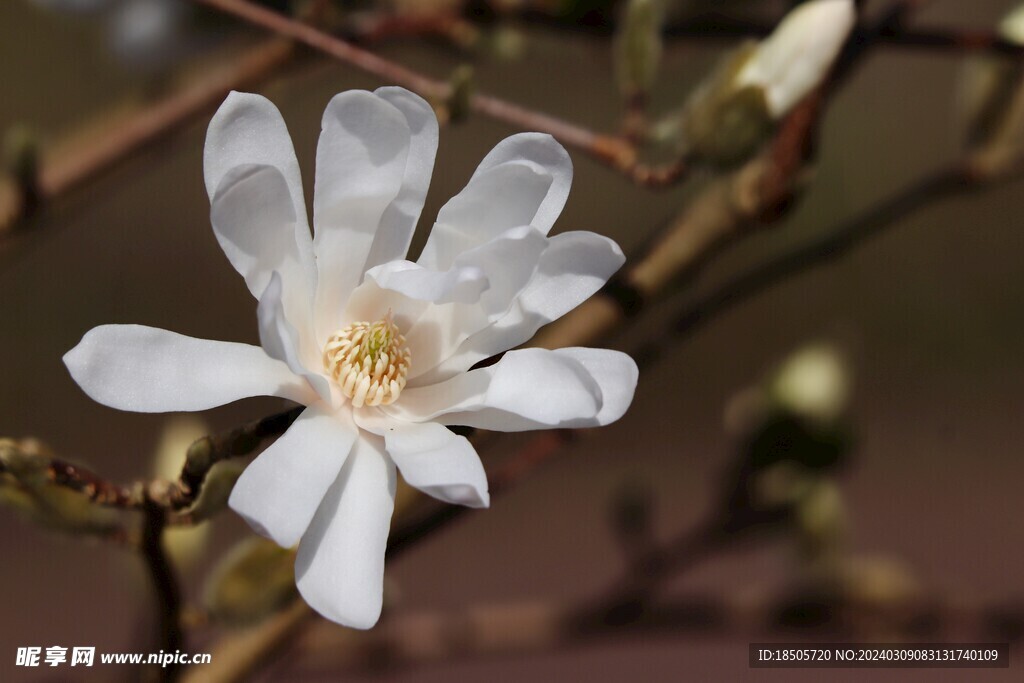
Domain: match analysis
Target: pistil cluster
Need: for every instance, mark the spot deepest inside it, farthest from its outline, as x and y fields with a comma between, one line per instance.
x=369, y=361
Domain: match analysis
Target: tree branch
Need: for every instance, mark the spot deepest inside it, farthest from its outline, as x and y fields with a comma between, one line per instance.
x=165, y=585
x=72, y=163
x=939, y=185
x=611, y=150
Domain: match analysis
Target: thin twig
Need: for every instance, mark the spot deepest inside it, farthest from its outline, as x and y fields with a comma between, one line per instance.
x=208, y=451
x=831, y=246
x=89, y=484
x=62, y=170
x=611, y=150
x=758, y=194
x=937, y=39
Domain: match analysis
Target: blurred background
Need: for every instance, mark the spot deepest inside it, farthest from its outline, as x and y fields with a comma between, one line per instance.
x=923, y=326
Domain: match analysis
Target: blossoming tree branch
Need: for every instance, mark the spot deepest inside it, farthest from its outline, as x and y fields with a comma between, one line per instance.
x=400, y=368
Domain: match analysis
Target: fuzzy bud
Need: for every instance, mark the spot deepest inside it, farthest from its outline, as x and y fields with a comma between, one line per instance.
x=813, y=383
x=638, y=46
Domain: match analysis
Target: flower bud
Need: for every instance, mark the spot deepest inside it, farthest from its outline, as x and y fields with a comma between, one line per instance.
x=812, y=383
x=462, y=86
x=26, y=488
x=21, y=159
x=254, y=580
x=1012, y=26
x=735, y=111
x=724, y=125
x=795, y=58
x=991, y=103
x=638, y=47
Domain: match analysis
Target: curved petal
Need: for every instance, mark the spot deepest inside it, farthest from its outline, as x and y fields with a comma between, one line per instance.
x=572, y=268
x=149, y=370
x=509, y=262
x=281, y=341
x=615, y=372
x=459, y=284
x=281, y=489
x=493, y=202
x=528, y=389
x=546, y=152
x=360, y=165
x=255, y=223
x=339, y=569
x=399, y=220
x=431, y=458
x=248, y=130
x=524, y=180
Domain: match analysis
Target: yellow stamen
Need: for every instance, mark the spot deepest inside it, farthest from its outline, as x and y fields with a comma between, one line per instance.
x=369, y=361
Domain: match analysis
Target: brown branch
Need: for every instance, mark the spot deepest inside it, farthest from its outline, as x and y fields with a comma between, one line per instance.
x=756, y=195
x=611, y=150
x=934, y=39
x=208, y=451
x=716, y=27
x=165, y=586
x=89, y=484
x=735, y=205
x=935, y=187
x=72, y=163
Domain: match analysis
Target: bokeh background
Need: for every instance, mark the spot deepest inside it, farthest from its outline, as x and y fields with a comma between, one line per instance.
x=930, y=314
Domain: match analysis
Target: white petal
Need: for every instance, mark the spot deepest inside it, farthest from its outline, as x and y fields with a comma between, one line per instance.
x=509, y=262
x=460, y=284
x=360, y=166
x=280, y=340
x=571, y=269
x=148, y=370
x=544, y=151
x=399, y=220
x=524, y=180
x=281, y=489
x=528, y=389
x=504, y=197
x=340, y=565
x=255, y=224
x=431, y=458
x=794, y=59
x=248, y=130
x=615, y=372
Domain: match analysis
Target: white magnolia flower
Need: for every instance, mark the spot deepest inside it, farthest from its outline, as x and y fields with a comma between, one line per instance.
x=380, y=349
x=794, y=59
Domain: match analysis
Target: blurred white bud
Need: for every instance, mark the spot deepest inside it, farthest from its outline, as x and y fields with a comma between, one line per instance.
x=813, y=382
x=879, y=582
x=147, y=31
x=1012, y=26
x=795, y=58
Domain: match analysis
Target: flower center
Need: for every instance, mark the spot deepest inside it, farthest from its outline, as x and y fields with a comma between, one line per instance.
x=369, y=361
